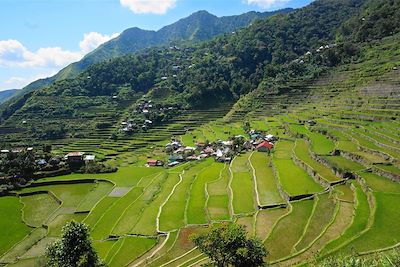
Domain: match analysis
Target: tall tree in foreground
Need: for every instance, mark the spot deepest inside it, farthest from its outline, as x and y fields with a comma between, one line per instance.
x=74, y=249
x=228, y=245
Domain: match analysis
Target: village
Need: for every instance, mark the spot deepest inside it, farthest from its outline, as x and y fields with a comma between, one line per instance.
x=20, y=165
x=221, y=151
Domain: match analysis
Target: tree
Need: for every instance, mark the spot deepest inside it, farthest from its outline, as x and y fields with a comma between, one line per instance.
x=228, y=244
x=74, y=249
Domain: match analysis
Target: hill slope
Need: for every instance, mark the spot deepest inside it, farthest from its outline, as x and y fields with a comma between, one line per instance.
x=199, y=26
x=6, y=94
x=193, y=77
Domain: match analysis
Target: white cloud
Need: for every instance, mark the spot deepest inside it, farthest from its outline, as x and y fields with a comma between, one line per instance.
x=92, y=40
x=15, y=54
x=19, y=82
x=19, y=60
x=266, y=3
x=149, y=6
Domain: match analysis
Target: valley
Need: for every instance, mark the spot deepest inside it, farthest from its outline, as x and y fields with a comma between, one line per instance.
x=329, y=187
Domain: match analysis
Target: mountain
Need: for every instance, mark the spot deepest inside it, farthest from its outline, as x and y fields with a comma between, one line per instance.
x=199, y=26
x=263, y=56
x=6, y=94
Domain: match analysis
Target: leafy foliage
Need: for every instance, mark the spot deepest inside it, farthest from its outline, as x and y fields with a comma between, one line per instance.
x=391, y=258
x=228, y=245
x=74, y=249
x=379, y=18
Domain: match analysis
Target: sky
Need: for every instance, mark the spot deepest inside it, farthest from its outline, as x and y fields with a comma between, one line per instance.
x=40, y=37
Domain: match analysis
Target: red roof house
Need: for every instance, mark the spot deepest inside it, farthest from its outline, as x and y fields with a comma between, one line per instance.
x=265, y=146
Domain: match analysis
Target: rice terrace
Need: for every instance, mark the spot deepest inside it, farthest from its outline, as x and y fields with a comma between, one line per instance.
x=150, y=148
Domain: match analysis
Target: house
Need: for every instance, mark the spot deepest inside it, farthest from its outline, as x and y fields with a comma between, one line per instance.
x=270, y=138
x=200, y=145
x=311, y=122
x=208, y=150
x=175, y=157
x=172, y=164
x=227, y=143
x=192, y=158
x=41, y=162
x=4, y=151
x=224, y=159
x=17, y=150
x=203, y=156
x=180, y=150
x=154, y=163
x=219, y=153
x=247, y=145
x=89, y=158
x=74, y=157
x=265, y=147
x=254, y=136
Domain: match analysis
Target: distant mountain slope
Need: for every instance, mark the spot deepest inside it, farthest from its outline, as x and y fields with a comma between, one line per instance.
x=217, y=71
x=4, y=95
x=199, y=26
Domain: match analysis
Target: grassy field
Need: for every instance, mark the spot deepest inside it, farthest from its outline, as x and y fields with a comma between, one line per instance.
x=266, y=219
x=38, y=208
x=359, y=223
x=380, y=184
x=203, y=192
x=130, y=249
x=301, y=151
x=146, y=223
x=294, y=180
x=266, y=183
x=100, y=190
x=344, y=164
x=218, y=201
x=173, y=215
x=242, y=186
x=12, y=227
x=196, y=210
x=382, y=234
x=288, y=230
x=319, y=221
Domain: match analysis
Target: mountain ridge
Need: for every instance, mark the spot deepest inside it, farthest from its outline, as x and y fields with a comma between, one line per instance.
x=6, y=94
x=128, y=42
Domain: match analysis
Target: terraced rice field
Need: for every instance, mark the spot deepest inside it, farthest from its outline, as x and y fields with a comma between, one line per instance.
x=324, y=190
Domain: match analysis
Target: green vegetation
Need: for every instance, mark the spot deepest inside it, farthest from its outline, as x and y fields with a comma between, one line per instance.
x=242, y=185
x=228, y=245
x=12, y=227
x=218, y=200
x=334, y=112
x=38, y=208
x=301, y=151
x=266, y=183
x=197, y=201
x=358, y=225
x=289, y=230
x=322, y=215
x=382, y=234
x=74, y=248
x=294, y=180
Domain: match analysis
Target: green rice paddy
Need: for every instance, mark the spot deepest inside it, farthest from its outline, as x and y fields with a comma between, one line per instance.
x=151, y=212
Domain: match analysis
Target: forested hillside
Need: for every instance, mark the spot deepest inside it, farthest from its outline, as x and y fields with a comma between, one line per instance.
x=197, y=27
x=289, y=128
x=299, y=45
x=6, y=94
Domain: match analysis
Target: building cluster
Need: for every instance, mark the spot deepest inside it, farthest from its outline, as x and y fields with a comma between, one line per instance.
x=144, y=115
x=220, y=150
